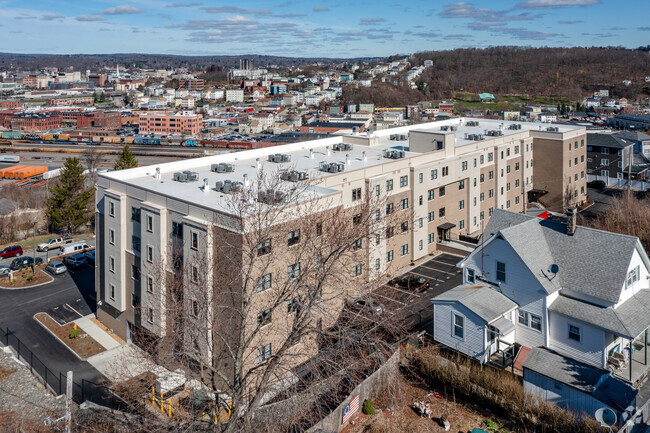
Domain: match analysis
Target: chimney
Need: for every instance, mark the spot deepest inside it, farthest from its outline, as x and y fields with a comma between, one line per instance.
x=348, y=161
x=246, y=181
x=571, y=221
x=311, y=153
x=365, y=157
x=327, y=148
x=157, y=175
x=206, y=188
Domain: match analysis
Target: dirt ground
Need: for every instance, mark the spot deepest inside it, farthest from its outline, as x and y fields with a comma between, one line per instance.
x=19, y=281
x=403, y=418
x=83, y=345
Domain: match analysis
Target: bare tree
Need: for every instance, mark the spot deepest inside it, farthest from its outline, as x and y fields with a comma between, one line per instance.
x=92, y=159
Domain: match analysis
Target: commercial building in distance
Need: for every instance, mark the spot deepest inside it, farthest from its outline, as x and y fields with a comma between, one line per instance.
x=435, y=182
x=100, y=119
x=33, y=122
x=181, y=123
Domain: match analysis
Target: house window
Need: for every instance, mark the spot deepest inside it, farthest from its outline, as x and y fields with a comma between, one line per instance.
x=420, y=200
x=293, y=237
x=111, y=264
x=263, y=353
x=463, y=165
x=490, y=174
x=574, y=333
x=389, y=208
x=293, y=305
x=420, y=223
x=420, y=177
x=461, y=224
x=135, y=214
x=405, y=203
x=441, y=212
x=377, y=264
x=445, y=171
x=177, y=230
x=434, y=174
x=150, y=315
x=149, y=253
x=389, y=256
x=441, y=191
x=135, y=243
x=319, y=231
x=482, y=177
x=194, y=273
x=604, y=150
x=135, y=272
x=195, y=308
x=403, y=181
x=632, y=277
x=264, y=247
x=604, y=161
x=390, y=232
x=111, y=208
x=420, y=245
x=536, y=322
x=501, y=272
x=356, y=245
x=404, y=249
x=149, y=223
x=112, y=292
x=431, y=238
x=461, y=184
x=150, y=284
x=470, y=275
x=377, y=190
x=430, y=216
x=490, y=157
x=508, y=169
x=459, y=326
x=195, y=240
x=356, y=219
x=523, y=317
x=356, y=270
x=293, y=270
x=389, y=185
x=405, y=226
x=461, y=204
x=264, y=318
x=111, y=236
x=356, y=194
x=482, y=159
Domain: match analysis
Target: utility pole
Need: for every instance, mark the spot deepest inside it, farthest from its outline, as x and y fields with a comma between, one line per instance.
x=629, y=175
x=68, y=404
x=34, y=261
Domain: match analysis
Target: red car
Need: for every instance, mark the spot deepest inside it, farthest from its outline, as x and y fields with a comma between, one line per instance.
x=13, y=251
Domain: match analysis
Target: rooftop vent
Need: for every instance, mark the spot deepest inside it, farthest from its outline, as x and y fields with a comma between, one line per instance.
x=340, y=147
x=494, y=133
x=222, y=167
x=271, y=196
x=394, y=154
x=186, y=176
x=514, y=126
x=448, y=128
x=228, y=186
x=472, y=123
x=474, y=137
x=552, y=129
x=331, y=167
x=394, y=137
x=279, y=157
x=403, y=137
x=294, y=176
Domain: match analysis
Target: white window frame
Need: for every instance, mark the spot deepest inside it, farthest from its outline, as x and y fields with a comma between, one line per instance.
x=569, y=332
x=455, y=326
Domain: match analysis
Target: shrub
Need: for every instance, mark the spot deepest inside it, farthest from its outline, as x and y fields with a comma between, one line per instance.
x=368, y=407
x=74, y=333
x=30, y=278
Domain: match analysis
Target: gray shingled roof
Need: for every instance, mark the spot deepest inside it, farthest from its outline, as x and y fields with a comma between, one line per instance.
x=607, y=140
x=629, y=320
x=593, y=262
x=586, y=378
x=633, y=135
x=486, y=302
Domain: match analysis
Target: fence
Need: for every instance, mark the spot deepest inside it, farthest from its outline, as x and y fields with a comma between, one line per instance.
x=636, y=185
x=55, y=381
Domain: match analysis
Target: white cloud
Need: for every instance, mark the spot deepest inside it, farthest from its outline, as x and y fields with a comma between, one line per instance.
x=89, y=18
x=554, y=4
x=53, y=17
x=123, y=10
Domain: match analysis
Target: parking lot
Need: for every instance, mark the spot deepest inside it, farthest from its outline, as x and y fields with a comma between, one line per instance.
x=412, y=309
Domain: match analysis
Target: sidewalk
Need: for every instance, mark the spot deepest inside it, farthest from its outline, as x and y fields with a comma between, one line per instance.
x=125, y=362
x=96, y=333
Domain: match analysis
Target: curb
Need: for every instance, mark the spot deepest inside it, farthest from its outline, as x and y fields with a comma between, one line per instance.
x=30, y=287
x=55, y=336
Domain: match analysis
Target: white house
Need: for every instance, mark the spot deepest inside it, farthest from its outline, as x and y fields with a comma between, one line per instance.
x=580, y=297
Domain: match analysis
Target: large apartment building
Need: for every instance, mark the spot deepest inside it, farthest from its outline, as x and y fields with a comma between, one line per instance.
x=182, y=123
x=431, y=183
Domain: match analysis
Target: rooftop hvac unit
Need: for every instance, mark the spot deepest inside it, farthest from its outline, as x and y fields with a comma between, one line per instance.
x=448, y=128
x=340, y=147
x=474, y=137
x=394, y=137
x=472, y=123
x=279, y=157
x=271, y=196
x=294, y=176
x=514, y=126
x=331, y=167
x=552, y=129
x=222, y=167
x=403, y=137
x=186, y=176
x=228, y=186
x=394, y=154
x=494, y=133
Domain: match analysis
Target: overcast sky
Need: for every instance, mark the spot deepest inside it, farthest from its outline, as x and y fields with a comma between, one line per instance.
x=353, y=28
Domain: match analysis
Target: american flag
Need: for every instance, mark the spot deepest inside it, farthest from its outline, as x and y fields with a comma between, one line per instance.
x=350, y=409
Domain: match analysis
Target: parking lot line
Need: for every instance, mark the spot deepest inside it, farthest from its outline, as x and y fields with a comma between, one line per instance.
x=427, y=276
x=440, y=270
x=391, y=299
x=70, y=307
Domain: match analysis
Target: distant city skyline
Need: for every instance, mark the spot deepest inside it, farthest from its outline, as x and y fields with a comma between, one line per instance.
x=320, y=28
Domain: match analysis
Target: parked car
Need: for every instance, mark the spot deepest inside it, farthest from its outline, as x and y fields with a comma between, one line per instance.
x=74, y=247
x=90, y=257
x=24, y=262
x=416, y=284
x=366, y=304
x=598, y=184
x=53, y=243
x=4, y=271
x=75, y=260
x=13, y=251
x=56, y=267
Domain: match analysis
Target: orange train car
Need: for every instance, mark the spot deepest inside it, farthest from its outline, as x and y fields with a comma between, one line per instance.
x=22, y=171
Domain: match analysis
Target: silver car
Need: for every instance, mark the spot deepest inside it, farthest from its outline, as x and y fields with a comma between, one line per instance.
x=56, y=268
x=366, y=304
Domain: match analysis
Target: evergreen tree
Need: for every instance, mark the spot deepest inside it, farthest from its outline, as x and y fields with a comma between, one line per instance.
x=125, y=159
x=69, y=199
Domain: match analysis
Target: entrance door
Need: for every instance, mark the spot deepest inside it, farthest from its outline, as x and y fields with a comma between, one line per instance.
x=443, y=234
x=492, y=337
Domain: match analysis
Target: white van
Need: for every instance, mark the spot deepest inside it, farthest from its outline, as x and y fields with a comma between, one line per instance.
x=74, y=247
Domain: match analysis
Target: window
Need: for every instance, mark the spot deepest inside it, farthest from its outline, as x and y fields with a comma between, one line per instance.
x=195, y=241
x=111, y=236
x=293, y=305
x=293, y=270
x=135, y=214
x=441, y=212
x=470, y=275
x=461, y=204
x=404, y=203
x=482, y=216
x=582, y=158
x=632, y=277
x=149, y=223
x=604, y=173
x=319, y=231
x=523, y=317
x=589, y=149
x=356, y=245
x=459, y=326
x=420, y=178
x=474, y=162
x=482, y=196
x=389, y=185
x=536, y=322
x=431, y=194
x=293, y=237
x=461, y=184
x=461, y=224
x=501, y=272
x=517, y=150
x=389, y=208
x=604, y=150
x=508, y=168
x=508, y=204
x=517, y=200
x=508, y=186
x=516, y=183
x=490, y=175
x=135, y=272
x=356, y=270
x=404, y=249
x=149, y=253
x=264, y=318
x=377, y=190
x=263, y=353
x=149, y=284
x=574, y=333
x=490, y=211
x=490, y=193
x=264, y=247
x=377, y=264
x=377, y=215
x=390, y=232
x=445, y=171
x=112, y=295
x=405, y=226
x=389, y=256
x=135, y=243
x=604, y=161
x=482, y=177
x=434, y=174
x=356, y=219
x=111, y=264
x=356, y=194
x=482, y=159
x=516, y=166
x=195, y=308
x=463, y=165
x=177, y=230
x=490, y=157
x=403, y=181
x=111, y=208
x=431, y=238
x=431, y=216
x=441, y=191
x=150, y=315
x=420, y=200
x=420, y=223
x=420, y=245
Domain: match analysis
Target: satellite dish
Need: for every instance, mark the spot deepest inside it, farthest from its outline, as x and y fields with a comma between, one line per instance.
x=606, y=417
x=553, y=269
